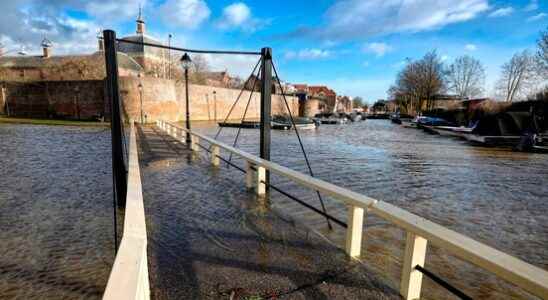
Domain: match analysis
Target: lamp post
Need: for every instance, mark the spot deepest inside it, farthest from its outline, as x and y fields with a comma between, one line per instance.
x=215, y=105
x=140, y=86
x=169, y=54
x=186, y=62
x=76, y=104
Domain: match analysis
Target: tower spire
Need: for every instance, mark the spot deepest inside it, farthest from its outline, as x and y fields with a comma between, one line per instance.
x=140, y=22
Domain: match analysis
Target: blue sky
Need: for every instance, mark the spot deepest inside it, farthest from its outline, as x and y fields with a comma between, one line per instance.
x=355, y=47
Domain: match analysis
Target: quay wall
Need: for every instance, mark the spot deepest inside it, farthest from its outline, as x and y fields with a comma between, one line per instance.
x=161, y=99
x=82, y=99
x=165, y=99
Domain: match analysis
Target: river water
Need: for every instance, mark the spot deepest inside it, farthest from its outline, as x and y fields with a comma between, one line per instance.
x=56, y=209
x=493, y=195
x=55, y=212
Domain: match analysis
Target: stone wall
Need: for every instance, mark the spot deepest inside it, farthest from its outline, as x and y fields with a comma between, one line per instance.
x=314, y=107
x=165, y=99
x=56, y=99
x=2, y=100
x=161, y=99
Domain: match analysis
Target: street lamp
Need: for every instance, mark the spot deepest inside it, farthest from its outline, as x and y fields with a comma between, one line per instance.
x=215, y=105
x=140, y=87
x=186, y=62
x=76, y=104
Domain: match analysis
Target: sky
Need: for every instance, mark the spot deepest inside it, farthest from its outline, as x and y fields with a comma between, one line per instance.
x=355, y=47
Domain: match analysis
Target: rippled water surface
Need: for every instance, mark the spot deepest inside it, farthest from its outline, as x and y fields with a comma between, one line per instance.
x=56, y=237
x=493, y=195
x=56, y=209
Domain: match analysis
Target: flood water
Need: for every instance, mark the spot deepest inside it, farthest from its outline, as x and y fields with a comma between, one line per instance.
x=56, y=234
x=492, y=195
x=56, y=201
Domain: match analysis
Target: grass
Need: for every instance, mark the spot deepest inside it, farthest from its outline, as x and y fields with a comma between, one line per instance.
x=12, y=120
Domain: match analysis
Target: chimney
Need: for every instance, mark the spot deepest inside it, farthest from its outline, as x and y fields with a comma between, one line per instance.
x=46, y=47
x=140, y=23
x=100, y=44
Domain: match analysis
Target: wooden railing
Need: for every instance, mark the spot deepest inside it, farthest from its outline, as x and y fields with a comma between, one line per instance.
x=129, y=276
x=419, y=230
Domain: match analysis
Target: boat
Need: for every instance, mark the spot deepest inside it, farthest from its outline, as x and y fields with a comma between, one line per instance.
x=243, y=124
x=421, y=121
x=383, y=116
x=398, y=118
x=277, y=122
x=284, y=123
x=451, y=130
x=330, y=118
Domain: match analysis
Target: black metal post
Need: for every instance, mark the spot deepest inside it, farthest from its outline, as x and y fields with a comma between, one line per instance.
x=187, y=108
x=141, y=99
x=118, y=166
x=266, y=102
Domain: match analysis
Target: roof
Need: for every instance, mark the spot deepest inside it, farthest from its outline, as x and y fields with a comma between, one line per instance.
x=219, y=76
x=135, y=48
x=300, y=87
x=321, y=89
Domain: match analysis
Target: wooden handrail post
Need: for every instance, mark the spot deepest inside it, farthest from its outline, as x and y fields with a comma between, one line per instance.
x=194, y=141
x=411, y=279
x=260, y=186
x=215, y=152
x=183, y=136
x=354, y=231
x=249, y=175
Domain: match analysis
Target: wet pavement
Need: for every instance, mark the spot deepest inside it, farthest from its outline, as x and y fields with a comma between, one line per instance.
x=210, y=238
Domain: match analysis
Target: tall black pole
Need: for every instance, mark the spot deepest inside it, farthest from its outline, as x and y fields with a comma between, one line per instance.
x=118, y=166
x=266, y=101
x=187, y=108
x=141, y=99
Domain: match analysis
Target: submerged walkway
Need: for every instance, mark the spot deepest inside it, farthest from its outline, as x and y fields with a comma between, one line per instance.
x=209, y=238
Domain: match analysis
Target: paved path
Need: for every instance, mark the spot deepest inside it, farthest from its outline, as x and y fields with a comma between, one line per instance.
x=209, y=238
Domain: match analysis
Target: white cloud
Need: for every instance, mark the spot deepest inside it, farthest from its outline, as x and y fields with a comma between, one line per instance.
x=380, y=49
x=236, y=14
x=308, y=54
x=239, y=16
x=502, y=12
x=28, y=24
x=116, y=10
x=470, y=47
x=240, y=65
x=533, y=5
x=347, y=19
x=537, y=17
x=444, y=58
x=187, y=13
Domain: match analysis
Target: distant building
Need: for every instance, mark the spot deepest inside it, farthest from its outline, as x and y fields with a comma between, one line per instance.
x=318, y=99
x=344, y=104
x=217, y=79
x=155, y=61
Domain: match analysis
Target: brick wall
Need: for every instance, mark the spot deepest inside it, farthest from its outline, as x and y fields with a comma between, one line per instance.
x=162, y=99
x=165, y=99
x=57, y=99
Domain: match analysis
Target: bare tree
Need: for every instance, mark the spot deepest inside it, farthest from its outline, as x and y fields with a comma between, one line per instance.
x=357, y=102
x=519, y=77
x=466, y=77
x=419, y=82
x=542, y=53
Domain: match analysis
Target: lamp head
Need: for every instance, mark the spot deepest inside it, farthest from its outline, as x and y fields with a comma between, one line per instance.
x=186, y=62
